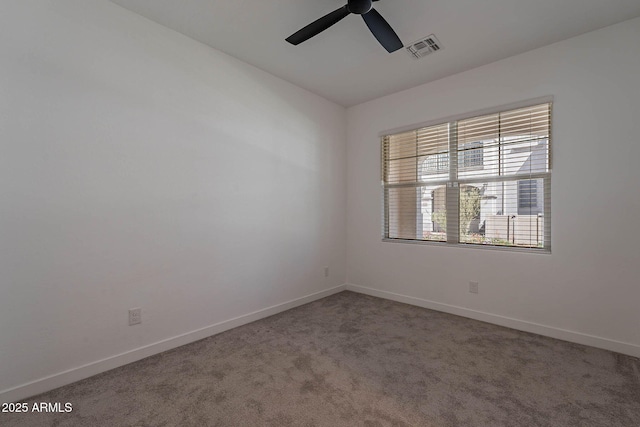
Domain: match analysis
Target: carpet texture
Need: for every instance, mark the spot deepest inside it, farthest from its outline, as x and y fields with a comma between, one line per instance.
x=355, y=360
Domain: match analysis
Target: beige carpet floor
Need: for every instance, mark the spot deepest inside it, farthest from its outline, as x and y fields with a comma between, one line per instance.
x=355, y=360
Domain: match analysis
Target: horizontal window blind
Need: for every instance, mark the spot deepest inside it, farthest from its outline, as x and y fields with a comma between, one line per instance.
x=481, y=180
x=408, y=156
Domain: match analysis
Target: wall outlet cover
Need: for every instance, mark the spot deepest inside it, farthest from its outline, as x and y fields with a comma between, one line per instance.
x=473, y=287
x=135, y=316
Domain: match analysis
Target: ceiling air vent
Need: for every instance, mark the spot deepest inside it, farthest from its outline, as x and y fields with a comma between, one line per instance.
x=424, y=47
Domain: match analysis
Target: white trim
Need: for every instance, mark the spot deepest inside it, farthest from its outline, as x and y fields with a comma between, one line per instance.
x=474, y=246
x=481, y=112
x=521, y=325
x=81, y=372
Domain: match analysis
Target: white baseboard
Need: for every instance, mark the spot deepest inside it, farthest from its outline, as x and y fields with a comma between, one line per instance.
x=521, y=325
x=76, y=374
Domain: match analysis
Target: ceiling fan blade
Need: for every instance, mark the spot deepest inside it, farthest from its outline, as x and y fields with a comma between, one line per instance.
x=382, y=31
x=318, y=26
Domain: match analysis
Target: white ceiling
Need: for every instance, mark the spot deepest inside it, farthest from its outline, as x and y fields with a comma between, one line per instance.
x=347, y=65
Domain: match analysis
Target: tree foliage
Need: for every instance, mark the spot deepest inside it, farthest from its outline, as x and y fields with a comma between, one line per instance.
x=469, y=209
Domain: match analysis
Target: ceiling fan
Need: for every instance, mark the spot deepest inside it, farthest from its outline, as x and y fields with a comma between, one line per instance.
x=376, y=23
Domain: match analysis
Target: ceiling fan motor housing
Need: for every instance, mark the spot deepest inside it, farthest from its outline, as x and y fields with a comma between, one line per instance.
x=359, y=7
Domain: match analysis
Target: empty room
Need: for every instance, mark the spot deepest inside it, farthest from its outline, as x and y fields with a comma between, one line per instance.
x=319, y=213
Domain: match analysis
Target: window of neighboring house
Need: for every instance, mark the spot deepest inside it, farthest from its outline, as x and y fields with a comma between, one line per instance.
x=437, y=163
x=471, y=155
x=481, y=180
x=527, y=194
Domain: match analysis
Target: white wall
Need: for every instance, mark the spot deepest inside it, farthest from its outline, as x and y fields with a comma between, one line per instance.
x=588, y=289
x=139, y=168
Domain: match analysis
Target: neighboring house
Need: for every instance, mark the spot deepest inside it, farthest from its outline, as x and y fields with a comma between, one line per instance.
x=506, y=211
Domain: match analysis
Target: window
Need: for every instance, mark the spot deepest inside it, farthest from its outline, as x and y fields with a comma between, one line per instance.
x=527, y=194
x=482, y=180
x=437, y=163
x=471, y=155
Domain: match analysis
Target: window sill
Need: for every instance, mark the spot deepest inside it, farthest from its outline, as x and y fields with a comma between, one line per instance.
x=540, y=251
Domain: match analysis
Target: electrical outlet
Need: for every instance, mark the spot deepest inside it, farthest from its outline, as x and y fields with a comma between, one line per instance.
x=326, y=272
x=473, y=287
x=135, y=316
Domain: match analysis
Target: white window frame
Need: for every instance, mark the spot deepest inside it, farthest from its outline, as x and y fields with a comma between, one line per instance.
x=454, y=184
